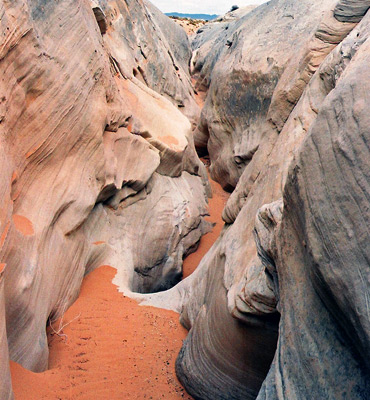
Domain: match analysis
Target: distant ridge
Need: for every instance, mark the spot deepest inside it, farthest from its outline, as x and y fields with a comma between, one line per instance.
x=208, y=17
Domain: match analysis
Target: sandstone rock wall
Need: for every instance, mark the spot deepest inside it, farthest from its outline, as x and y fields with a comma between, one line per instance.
x=90, y=157
x=241, y=275
x=322, y=251
x=99, y=168
x=146, y=44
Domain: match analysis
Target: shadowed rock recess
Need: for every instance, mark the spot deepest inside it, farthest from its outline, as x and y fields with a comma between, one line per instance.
x=98, y=128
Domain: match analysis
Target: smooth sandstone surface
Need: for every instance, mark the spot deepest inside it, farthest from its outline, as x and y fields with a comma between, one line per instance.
x=321, y=247
x=97, y=167
x=146, y=44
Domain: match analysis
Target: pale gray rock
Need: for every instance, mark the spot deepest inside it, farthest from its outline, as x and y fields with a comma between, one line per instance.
x=234, y=14
x=301, y=68
x=147, y=235
x=175, y=35
x=148, y=45
x=250, y=264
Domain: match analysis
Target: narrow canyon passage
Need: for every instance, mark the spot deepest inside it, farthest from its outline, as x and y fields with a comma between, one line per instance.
x=111, y=117
x=110, y=347
x=216, y=205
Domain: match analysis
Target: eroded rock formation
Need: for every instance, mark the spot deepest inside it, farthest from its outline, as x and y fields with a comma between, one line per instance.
x=144, y=43
x=288, y=235
x=322, y=255
x=242, y=61
x=97, y=167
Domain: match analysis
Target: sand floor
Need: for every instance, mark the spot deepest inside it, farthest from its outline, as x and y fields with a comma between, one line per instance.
x=111, y=349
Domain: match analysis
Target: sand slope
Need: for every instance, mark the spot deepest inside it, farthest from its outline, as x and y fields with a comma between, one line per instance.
x=114, y=349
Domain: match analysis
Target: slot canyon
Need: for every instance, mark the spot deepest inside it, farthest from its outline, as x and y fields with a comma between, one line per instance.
x=185, y=204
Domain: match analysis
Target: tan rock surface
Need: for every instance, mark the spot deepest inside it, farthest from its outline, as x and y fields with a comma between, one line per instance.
x=321, y=254
x=154, y=50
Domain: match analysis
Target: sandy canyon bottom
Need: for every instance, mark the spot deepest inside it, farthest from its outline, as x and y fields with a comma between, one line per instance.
x=112, y=348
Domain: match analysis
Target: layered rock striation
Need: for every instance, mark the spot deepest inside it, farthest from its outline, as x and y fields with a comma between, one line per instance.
x=322, y=252
x=97, y=167
x=146, y=44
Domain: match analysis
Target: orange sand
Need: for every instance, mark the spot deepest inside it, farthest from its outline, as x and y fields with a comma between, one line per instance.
x=216, y=206
x=114, y=349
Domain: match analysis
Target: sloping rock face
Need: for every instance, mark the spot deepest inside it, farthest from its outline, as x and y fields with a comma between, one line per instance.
x=295, y=243
x=242, y=62
x=91, y=159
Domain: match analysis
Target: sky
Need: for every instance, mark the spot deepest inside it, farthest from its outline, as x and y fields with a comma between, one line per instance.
x=202, y=6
